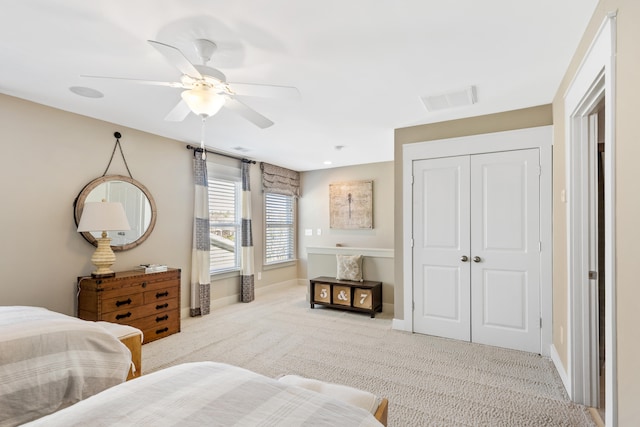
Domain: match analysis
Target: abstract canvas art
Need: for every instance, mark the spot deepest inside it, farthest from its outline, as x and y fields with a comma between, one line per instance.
x=351, y=205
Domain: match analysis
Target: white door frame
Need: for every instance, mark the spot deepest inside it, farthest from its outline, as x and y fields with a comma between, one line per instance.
x=537, y=137
x=594, y=81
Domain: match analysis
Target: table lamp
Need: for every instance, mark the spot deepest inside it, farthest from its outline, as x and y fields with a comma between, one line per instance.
x=102, y=217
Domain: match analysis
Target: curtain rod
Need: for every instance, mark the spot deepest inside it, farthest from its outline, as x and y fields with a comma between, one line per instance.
x=198, y=149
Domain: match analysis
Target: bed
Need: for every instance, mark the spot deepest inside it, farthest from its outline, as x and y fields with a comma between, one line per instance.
x=49, y=361
x=211, y=394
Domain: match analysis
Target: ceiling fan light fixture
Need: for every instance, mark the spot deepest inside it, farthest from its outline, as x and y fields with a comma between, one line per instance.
x=203, y=100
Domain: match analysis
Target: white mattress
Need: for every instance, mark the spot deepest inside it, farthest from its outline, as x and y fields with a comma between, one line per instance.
x=208, y=394
x=49, y=361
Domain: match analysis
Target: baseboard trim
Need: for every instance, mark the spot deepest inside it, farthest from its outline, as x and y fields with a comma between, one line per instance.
x=555, y=358
x=400, y=325
x=388, y=308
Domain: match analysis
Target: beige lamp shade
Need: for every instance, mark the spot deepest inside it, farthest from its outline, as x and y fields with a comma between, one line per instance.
x=103, y=216
x=203, y=100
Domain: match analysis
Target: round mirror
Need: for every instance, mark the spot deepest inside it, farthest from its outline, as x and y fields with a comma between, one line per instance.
x=136, y=200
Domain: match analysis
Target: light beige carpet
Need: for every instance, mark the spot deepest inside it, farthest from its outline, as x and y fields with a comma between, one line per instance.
x=429, y=381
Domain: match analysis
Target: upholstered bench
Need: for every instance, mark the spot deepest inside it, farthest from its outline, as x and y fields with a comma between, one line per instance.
x=132, y=338
x=378, y=406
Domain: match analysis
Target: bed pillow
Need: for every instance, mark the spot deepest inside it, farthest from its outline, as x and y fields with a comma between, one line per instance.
x=354, y=396
x=349, y=267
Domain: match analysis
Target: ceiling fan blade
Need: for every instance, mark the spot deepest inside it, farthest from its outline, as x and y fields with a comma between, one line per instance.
x=144, y=82
x=177, y=58
x=248, y=113
x=179, y=112
x=264, y=91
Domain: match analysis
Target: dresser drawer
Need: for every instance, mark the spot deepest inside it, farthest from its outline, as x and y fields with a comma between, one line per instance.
x=123, y=302
x=126, y=315
x=160, y=295
x=158, y=320
x=135, y=287
x=161, y=331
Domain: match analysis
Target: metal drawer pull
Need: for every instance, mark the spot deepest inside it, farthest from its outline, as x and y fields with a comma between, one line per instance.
x=161, y=306
x=125, y=302
x=163, y=318
x=159, y=331
x=144, y=284
x=162, y=294
x=464, y=258
x=477, y=259
x=123, y=316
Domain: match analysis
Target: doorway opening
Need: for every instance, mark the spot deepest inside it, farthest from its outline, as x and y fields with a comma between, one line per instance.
x=590, y=139
x=601, y=265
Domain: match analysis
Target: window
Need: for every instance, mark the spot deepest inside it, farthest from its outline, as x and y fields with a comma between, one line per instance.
x=279, y=228
x=224, y=216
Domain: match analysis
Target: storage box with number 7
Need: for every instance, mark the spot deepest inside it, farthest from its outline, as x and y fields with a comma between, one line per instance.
x=362, y=298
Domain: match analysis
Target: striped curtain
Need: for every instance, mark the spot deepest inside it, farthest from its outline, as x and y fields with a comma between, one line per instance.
x=246, y=263
x=200, y=279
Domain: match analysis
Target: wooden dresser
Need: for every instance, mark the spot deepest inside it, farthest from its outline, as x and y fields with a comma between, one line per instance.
x=149, y=302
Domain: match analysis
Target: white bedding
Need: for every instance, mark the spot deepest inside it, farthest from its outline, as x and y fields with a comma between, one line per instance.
x=208, y=394
x=49, y=361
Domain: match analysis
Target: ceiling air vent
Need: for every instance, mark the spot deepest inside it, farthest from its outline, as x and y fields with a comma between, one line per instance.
x=241, y=149
x=443, y=101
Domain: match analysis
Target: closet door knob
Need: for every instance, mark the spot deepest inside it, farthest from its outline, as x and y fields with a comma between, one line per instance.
x=464, y=258
x=477, y=259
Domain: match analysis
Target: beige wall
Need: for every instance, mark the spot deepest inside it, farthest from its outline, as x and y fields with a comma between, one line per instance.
x=47, y=156
x=627, y=234
x=510, y=120
x=314, y=210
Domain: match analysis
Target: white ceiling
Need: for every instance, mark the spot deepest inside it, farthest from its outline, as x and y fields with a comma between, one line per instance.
x=361, y=65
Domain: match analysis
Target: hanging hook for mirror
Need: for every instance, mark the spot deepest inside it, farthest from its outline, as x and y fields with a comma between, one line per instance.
x=117, y=135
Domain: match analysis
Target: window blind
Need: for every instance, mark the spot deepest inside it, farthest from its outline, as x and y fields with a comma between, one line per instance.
x=224, y=218
x=280, y=180
x=279, y=228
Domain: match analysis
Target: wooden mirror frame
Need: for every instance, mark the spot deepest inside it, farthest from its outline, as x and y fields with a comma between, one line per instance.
x=82, y=197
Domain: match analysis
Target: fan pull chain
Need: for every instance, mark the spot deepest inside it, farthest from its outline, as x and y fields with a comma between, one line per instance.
x=204, y=153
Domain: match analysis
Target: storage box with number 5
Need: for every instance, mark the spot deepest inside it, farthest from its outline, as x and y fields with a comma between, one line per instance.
x=322, y=293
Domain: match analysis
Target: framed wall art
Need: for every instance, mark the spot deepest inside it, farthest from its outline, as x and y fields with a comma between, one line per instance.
x=351, y=205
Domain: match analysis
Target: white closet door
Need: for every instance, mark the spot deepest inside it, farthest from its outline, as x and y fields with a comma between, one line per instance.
x=441, y=239
x=505, y=236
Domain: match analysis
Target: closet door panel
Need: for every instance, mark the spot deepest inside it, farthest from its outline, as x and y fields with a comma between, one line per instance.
x=441, y=239
x=505, y=235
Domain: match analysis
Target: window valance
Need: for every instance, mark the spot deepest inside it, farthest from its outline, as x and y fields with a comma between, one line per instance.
x=276, y=179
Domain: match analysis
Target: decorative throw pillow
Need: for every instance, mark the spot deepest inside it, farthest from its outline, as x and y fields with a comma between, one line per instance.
x=349, y=267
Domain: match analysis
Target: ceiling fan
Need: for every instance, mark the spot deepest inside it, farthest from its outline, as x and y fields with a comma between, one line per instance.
x=206, y=89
